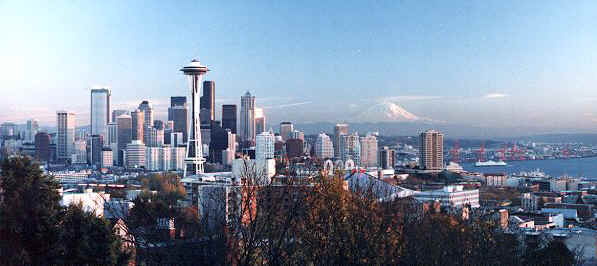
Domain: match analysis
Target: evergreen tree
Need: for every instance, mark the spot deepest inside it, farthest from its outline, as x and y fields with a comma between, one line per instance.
x=30, y=214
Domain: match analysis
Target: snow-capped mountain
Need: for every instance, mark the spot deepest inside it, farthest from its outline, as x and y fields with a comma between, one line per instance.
x=386, y=112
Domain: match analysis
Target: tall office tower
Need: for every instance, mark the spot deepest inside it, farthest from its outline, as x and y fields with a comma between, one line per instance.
x=79, y=155
x=31, y=130
x=229, y=117
x=117, y=113
x=221, y=140
x=350, y=148
x=135, y=154
x=324, y=149
x=264, y=148
x=387, y=158
x=294, y=148
x=95, y=146
x=147, y=110
x=65, y=135
x=125, y=133
x=339, y=131
x=176, y=139
x=247, y=119
x=100, y=111
x=138, y=120
x=42, y=147
x=296, y=134
x=194, y=159
x=111, y=134
x=285, y=129
x=178, y=113
x=208, y=102
x=259, y=121
x=431, y=150
x=369, y=151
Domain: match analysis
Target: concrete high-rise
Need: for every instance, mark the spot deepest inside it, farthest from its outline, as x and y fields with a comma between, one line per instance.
x=194, y=159
x=264, y=147
x=386, y=158
x=324, y=149
x=247, y=119
x=178, y=113
x=138, y=124
x=297, y=134
x=339, y=131
x=135, y=154
x=208, y=102
x=350, y=148
x=285, y=129
x=229, y=117
x=100, y=111
x=259, y=121
x=294, y=148
x=431, y=150
x=125, y=133
x=65, y=135
x=369, y=151
x=111, y=134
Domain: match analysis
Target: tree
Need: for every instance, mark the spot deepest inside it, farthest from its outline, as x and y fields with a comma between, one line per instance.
x=88, y=239
x=30, y=213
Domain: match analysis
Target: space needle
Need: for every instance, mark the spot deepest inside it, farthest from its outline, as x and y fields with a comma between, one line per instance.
x=194, y=158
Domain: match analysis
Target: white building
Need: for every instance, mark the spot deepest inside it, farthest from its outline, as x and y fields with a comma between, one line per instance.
x=369, y=151
x=350, y=148
x=177, y=158
x=107, y=157
x=451, y=196
x=90, y=201
x=158, y=158
x=324, y=148
x=135, y=154
x=264, y=148
x=100, y=111
x=260, y=170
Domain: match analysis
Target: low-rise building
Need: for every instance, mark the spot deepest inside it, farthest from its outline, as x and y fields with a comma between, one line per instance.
x=451, y=196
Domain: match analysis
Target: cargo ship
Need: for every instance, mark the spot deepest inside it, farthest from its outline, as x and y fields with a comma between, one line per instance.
x=490, y=163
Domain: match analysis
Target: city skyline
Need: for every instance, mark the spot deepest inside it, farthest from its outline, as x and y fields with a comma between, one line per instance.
x=483, y=65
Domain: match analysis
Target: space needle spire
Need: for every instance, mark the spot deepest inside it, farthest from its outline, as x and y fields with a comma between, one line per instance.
x=194, y=158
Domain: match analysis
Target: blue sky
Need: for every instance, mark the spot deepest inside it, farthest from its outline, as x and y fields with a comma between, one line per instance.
x=502, y=63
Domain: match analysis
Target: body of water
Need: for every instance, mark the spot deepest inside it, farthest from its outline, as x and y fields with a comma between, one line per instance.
x=585, y=167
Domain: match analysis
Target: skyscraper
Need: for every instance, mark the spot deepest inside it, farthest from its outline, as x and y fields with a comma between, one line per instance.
x=221, y=140
x=100, y=111
x=369, y=151
x=208, y=102
x=294, y=148
x=95, y=146
x=285, y=129
x=124, y=135
x=65, y=135
x=178, y=114
x=339, y=131
x=297, y=134
x=147, y=110
x=259, y=120
x=31, y=130
x=111, y=134
x=247, y=119
x=323, y=147
x=264, y=147
x=135, y=154
x=229, y=117
x=138, y=120
x=42, y=147
x=117, y=113
x=350, y=148
x=431, y=150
